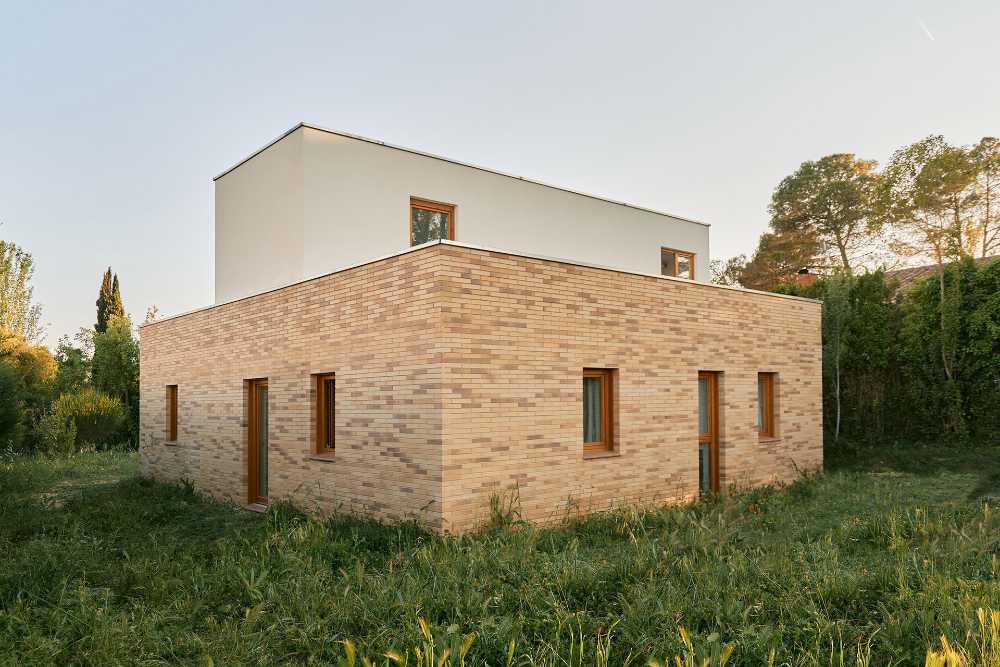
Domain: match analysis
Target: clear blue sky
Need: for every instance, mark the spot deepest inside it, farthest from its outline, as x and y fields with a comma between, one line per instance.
x=114, y=117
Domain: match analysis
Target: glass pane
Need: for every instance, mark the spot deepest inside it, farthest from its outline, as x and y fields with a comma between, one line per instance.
x=262, y=442
x=592, y=409
x=703, y=405
x=760, y=403
x=329, y=394
x=428, y=225
x=704, y=469
x=684, y=266
x=668, y=263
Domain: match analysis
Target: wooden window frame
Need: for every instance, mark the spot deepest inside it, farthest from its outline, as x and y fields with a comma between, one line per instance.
x=430, y=205
x=253, y=455
x=323, y=444
x=171, y=413
x=711, y=437
x=689, y=255
x=607, y=443
x=767, y=429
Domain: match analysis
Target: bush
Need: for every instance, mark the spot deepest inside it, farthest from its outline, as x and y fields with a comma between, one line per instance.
x=10, y=415
x=86, y=417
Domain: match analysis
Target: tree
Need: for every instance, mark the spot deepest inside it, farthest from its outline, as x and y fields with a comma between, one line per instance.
x=986, y=157
x=778, y=257
x=115, y=367
x=730, y=271
x=34, y=370
x=17, y=312
x=109, y=301
x=927, y=194
x=832, y=200
x=73, y=367
x=836, y=315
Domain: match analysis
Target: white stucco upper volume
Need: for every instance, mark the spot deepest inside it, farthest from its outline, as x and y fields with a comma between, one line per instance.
x=315, y=201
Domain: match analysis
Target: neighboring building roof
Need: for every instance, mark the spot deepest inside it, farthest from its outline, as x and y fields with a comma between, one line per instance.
x=463, y=164
x=907, y=277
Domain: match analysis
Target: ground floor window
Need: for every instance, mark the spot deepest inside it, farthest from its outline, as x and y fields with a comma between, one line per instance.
x=765, y=405
x=326, y=401
x=598, y=410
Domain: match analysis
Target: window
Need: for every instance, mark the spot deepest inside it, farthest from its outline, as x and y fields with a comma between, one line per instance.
x=171, y=413
x=598, y=410
x=326, y=398
x=676, y=263
x=765, y=405
x=431, y=221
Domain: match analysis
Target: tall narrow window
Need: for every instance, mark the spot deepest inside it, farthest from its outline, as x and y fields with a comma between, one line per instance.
x=676, y=263
x=598, y=410
x=326, y=400
x=171, y=413
x=431, y=221
x=765, y=405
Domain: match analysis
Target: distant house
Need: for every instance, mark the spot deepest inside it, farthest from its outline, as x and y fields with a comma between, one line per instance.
x=910, y=276
x=402, y=335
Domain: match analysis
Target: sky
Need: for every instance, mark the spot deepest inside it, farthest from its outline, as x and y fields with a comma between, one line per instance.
x=115, y=117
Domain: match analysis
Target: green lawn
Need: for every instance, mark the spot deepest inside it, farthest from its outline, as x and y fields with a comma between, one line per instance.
x=884, y=553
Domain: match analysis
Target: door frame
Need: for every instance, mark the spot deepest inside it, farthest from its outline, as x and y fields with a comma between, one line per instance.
x=711, y=438
x=253, y=446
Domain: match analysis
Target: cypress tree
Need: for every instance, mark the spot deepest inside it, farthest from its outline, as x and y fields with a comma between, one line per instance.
x=103, y=299
x=115, y=307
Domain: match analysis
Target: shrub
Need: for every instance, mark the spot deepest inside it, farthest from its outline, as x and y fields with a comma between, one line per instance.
x=86, y=417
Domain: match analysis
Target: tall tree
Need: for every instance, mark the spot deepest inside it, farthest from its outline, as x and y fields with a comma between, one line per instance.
x=103, y=298
x=832, y=199
x=928, y=195
x=18, y=314
x=109, y=301
x=986, y=157
x=115, y=366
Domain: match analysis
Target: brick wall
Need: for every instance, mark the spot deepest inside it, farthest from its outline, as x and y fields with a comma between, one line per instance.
x=375, y=326
x=520, y=331
x=459, y=378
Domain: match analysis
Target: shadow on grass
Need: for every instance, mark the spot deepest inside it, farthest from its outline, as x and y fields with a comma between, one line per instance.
x=979, y=459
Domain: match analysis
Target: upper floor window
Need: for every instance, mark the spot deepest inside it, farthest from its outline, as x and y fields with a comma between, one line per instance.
x=431, y=221
x=765, y=405
x=171, y=413
x=598, y=410
x=676, y=263
x=326, y=400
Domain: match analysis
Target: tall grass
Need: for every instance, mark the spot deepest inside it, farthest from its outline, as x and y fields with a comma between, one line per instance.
x=847, y=568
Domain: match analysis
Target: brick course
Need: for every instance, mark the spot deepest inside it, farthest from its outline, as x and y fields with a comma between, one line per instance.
x=459, y=377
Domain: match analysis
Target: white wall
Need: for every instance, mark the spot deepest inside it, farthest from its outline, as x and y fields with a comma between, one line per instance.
x=316, y=201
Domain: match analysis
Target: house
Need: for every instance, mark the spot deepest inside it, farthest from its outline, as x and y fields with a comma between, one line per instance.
x=910, y=276
x=401, y=335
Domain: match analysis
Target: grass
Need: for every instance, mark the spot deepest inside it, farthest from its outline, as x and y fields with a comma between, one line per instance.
x=869, y=563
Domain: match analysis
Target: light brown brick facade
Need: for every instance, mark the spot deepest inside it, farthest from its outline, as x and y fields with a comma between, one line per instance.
x=459, y=377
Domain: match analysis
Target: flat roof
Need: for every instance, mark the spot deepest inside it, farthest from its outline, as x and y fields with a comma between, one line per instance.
x=469, y=246
x=462, y=164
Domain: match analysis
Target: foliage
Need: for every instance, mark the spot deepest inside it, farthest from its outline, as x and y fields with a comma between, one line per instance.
x=73, y=365
x=728, y=271
x=34, y=372
x=10, y=413
x=890, y=552
x=115, y=368
x=17, y=312
x=778, y=258
x=831, y=200
x=56, y=434
x=109, y=302
x=92, y=418
x=986, y=157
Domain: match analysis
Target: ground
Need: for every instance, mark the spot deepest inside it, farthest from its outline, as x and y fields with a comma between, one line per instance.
x=878, y=557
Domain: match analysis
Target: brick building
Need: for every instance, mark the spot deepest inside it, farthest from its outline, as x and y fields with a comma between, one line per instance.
x=426, y=381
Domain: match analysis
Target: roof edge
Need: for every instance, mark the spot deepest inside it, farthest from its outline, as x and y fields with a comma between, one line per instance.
x=469, y=246
x=413, y=151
